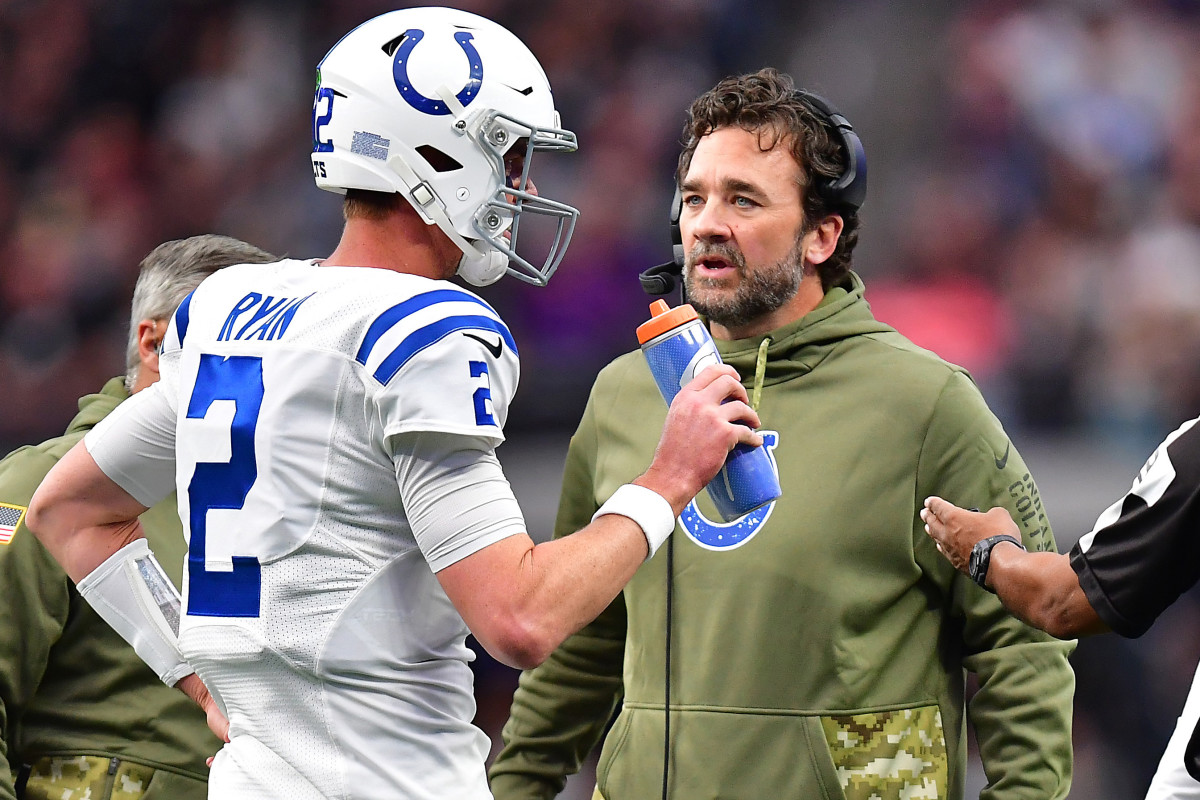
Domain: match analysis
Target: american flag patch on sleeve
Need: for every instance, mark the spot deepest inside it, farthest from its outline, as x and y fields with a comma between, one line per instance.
x=10, y=518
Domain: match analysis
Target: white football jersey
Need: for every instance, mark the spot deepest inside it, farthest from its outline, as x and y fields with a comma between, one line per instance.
x=311, y=609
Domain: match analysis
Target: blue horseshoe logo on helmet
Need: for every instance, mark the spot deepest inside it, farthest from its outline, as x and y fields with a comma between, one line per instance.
x=420, y=102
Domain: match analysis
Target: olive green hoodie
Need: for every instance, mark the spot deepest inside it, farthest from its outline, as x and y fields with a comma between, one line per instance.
x=819, y=648
x=69, y=685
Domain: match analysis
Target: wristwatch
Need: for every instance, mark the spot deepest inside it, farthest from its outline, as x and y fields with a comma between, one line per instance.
x=981, y=557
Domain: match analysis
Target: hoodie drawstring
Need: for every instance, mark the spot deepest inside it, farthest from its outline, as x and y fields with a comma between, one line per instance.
x=760, y=372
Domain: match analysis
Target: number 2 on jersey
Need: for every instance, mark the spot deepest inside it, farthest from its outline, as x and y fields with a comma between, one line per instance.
x=233, y=593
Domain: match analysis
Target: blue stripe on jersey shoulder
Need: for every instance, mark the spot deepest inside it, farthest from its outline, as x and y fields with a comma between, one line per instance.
x=388, y=319
x=182, y=314
x=421, y=338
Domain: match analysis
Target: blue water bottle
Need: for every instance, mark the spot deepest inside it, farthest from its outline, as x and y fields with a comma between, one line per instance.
x=677, y=347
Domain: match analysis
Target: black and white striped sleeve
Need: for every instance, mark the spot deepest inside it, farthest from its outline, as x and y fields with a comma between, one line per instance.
x=1144, y=550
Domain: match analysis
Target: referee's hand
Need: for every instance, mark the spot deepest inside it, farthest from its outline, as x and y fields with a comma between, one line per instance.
x=956, y=530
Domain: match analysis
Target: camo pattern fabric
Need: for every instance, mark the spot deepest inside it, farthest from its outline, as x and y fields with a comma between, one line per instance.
x=889, y=755
x=87, y=778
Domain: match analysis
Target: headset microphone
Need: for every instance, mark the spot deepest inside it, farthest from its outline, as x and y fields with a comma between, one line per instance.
x=662, y=279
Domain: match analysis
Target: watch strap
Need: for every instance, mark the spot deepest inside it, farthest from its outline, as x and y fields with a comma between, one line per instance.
x=982, y=558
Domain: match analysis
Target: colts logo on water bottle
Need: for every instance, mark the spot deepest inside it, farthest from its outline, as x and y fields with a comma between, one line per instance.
x=705, y=357
x=729, y=535
x=428, y=105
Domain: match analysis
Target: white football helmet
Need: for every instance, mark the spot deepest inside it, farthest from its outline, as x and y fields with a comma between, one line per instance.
x=428, y=102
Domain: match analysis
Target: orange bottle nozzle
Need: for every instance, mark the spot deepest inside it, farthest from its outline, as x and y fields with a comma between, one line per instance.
x=664, y=318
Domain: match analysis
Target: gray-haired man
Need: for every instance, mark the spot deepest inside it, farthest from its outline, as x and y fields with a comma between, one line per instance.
x=80, y=712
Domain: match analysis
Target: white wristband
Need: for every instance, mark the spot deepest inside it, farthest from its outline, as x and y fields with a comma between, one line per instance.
x=133, y=595
x=647, y=508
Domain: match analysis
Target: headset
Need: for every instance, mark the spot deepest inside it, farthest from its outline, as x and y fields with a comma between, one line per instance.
x=844, y=193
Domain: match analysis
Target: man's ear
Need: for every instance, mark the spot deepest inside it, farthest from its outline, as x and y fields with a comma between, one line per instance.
x=821, y=241
x=149, y=338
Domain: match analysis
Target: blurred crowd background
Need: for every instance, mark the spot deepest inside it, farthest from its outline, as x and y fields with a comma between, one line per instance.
x=1033, y=214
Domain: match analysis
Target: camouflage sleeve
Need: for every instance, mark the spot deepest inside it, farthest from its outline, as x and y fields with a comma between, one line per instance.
x=561, y=708
x=37, y=600
x=1022, y=710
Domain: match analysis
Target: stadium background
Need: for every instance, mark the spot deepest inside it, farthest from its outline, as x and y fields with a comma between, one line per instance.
x=1034, y=214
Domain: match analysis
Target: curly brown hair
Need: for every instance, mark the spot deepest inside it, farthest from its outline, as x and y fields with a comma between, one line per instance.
x=766, y=102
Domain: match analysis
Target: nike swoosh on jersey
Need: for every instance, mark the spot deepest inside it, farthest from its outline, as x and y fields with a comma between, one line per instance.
x=495, y=349
x=1003, y=460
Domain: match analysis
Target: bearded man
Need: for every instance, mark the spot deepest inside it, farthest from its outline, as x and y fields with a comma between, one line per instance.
x=819, y=646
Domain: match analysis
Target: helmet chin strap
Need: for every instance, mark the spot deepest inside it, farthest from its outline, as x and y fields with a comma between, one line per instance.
x=482, y=270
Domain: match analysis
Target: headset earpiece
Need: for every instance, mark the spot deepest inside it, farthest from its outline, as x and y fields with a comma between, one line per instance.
x=848, y=190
